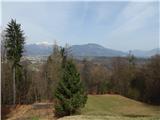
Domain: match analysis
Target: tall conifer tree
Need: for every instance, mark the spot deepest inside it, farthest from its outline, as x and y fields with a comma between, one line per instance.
x=14, y=43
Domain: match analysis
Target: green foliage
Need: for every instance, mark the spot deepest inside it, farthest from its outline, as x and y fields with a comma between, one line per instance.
x=35, y=118
x=70, y=93
x=102, y=87
x=14, y=42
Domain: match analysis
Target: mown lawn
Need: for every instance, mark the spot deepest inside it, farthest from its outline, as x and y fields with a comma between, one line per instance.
x=116, y=107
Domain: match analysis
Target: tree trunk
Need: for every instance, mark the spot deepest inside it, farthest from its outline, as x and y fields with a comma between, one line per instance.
x=14, y=86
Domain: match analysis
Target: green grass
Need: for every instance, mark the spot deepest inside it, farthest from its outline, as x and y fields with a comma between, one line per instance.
x=86, y=117
x=115, y=107
x=35, y=118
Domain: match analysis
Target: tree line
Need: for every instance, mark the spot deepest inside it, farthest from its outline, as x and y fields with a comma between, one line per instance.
x=23, y=82
x=124, y=76
x=26, y=83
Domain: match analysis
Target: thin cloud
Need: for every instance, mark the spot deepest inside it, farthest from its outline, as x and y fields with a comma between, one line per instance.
x=133, y=17
x=112, y=24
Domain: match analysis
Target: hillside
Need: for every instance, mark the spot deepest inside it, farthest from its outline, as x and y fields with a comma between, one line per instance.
x=140, y=53
x=85, y=50
x=38, y=49
x=94, y=50
x=116, y=107
x=98, y=107
x=76, y=50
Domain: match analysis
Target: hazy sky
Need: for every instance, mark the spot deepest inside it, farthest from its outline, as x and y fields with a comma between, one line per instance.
x=117, y=25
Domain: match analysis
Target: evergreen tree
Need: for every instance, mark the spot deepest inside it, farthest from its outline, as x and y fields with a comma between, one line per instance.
x=14, y=43
x=70, y=94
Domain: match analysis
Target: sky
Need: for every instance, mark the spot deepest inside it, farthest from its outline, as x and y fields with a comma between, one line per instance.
x=117, y=25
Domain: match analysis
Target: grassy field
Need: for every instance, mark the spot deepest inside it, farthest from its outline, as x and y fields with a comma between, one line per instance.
x=98, y=107
x=115, y=107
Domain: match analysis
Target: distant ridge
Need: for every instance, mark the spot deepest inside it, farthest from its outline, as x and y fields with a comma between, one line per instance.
x=38, y=49
x=149, y=53
x=94, y=50
x=89, y=50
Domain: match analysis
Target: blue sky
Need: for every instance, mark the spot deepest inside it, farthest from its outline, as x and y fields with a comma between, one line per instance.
x=117, y=25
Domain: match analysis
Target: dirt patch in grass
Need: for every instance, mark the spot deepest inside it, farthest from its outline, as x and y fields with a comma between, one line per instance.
x=27, y=112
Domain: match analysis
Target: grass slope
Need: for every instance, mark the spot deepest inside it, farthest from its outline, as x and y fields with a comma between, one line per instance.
x=116, y=107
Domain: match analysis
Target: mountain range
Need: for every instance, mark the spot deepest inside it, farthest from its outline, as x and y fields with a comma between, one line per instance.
x=89, y=50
